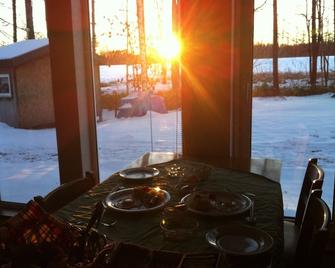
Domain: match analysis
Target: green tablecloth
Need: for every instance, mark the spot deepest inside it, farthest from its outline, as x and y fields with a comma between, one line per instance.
x=144, y=230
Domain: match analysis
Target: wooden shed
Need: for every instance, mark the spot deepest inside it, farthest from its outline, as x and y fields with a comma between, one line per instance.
x=26, y=99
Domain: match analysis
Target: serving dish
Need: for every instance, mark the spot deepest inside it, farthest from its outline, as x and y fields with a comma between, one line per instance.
x=217, y=203
x=240, y=240
x=137, y=199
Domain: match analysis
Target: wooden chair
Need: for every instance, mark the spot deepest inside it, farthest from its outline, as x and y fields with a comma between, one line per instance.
x=313, y=233
x=65, y=193
x=291, y=242
x=313, y=180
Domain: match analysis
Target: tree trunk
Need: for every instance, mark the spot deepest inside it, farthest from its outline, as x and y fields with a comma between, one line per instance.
x=275, y=49
x=128, y=46
x=14, y=21
x=314, y=46
x=29, y=20
x=175, y=28
x=141, y=33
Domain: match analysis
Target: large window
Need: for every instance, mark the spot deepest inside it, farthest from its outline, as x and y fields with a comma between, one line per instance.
x=28, y=147
x=138, y=102
x=294, y=122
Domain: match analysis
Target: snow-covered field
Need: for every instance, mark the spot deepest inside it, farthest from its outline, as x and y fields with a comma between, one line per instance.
x=293, y=65
x=292, y=130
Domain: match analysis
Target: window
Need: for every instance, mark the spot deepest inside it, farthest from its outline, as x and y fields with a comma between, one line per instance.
x=296, y=123
x=28, y=142
x=5, y=86
x=134, y=119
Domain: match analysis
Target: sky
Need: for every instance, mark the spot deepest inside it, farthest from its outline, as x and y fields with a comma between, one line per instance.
x=290, y=20
x=110, y=14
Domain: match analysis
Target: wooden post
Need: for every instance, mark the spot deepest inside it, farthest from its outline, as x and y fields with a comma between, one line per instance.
x=216, y=78
x=73, y=90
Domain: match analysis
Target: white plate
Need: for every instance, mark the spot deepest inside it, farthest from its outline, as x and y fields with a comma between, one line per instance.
x=113, y=200
x=240, y=240
x=217, y=203
x=139, y=174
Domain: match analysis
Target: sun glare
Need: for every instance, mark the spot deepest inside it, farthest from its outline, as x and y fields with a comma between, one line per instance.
x=170, y=48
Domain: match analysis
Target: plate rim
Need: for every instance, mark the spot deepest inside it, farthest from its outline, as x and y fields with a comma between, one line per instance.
x=155, y=172
x=217, y=214
x=267, y=245
x=143, y=210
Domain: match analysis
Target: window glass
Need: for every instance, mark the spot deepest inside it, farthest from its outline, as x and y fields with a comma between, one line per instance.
x=296, y=122
x=28, y=148
x=136, y=113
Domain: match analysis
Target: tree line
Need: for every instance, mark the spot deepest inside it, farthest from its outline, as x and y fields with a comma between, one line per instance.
x=262, y=51
x=318, y=42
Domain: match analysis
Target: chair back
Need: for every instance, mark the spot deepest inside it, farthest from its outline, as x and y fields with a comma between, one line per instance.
x=313, y=180
x=313, y=233
x=65, y=193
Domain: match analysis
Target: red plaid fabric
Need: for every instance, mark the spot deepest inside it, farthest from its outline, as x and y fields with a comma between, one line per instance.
x=33, y=225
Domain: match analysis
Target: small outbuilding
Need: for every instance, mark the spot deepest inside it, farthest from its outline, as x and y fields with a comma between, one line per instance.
x=26, y=99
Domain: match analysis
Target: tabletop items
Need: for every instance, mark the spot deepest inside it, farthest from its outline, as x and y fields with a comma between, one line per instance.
x=240, y=240
x=177, y=207
x=179, y=217
x=217, y=203
x=139, y=174
x=138, y=199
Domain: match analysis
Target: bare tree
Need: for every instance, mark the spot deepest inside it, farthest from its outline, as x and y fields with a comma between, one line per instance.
x=315, y=46
x=324, y=57
x=29, y=20
x=275, y=49
x=308, y=30
x=14, y=21
x=141, y=33
x=260, y=6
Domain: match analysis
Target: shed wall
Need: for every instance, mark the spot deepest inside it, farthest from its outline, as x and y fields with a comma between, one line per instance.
x=34, y=94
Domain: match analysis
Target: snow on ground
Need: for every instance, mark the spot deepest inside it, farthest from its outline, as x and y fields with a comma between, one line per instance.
x=292, y=130
x=292, y=65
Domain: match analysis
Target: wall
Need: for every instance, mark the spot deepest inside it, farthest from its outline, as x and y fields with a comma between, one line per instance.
x=8, y=112
x=34, y=94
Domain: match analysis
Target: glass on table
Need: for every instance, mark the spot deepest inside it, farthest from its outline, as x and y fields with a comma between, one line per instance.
x=175, y=170
x=177, y=224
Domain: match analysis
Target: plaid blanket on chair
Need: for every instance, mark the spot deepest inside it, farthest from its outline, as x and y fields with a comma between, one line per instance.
x=34, y=238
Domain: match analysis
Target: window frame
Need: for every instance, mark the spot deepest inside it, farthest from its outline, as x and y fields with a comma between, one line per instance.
x=73, y=87
x=8, y=94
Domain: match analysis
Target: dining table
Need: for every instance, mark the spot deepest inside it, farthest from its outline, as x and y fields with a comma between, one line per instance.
x=179, y=177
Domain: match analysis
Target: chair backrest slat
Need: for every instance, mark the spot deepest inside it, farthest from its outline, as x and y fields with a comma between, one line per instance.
x=313, y=180
x=65, y=193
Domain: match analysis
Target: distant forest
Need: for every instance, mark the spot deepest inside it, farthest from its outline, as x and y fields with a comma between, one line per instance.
x=298, y=50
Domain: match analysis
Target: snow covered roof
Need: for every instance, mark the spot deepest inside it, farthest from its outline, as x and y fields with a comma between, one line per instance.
x=20, y=48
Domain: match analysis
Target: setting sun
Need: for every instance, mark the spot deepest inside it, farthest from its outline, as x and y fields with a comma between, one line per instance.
x=170, y=48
